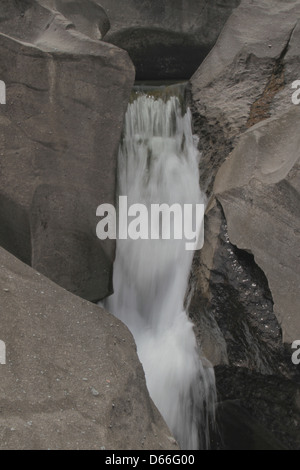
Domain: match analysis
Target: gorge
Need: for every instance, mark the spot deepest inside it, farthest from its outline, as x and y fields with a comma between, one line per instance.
x=230, y=311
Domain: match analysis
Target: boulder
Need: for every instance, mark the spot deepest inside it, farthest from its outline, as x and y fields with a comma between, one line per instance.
x=29, y=19
x=259, y=189
x=66, y=95
x=245, y=79
x=231, y=304
x=72, y=379
x=244, y=288
x=247, y=124
x=166, y=39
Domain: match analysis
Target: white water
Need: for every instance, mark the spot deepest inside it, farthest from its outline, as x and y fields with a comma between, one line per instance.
x=158, y=163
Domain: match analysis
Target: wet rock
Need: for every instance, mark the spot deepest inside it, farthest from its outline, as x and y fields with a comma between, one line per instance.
x=257, y=411
x=232, y=306
x=239, y=430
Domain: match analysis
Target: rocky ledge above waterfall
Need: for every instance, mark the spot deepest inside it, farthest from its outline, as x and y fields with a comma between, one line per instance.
x=166, y=39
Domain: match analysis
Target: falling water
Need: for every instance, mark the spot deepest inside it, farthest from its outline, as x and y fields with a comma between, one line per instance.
x=158, y=163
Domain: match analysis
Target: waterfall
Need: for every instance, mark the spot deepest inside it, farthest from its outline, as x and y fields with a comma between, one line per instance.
x=158, y=163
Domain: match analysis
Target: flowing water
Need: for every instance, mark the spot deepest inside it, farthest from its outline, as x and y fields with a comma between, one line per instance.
x=158, y=163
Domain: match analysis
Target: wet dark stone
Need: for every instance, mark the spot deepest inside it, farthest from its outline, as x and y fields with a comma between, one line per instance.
x=257, y=411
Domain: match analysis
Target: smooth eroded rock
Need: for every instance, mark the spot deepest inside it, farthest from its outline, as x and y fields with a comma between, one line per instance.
x=72, y=378
x=66, y=97
x=242, y=102
x=245, y=79
x=244, y=289
x=166, y=39
x=258, y=187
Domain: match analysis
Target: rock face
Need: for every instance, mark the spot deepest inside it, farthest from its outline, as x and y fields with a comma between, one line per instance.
x=259, y=190
x=72, y=379
x=246, y=78
x=245, y=280
x=66, y=96
x=257, y=412
x=166, y=39
x=84, y=16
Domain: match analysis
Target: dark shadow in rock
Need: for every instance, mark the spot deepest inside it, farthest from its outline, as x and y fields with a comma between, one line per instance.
x=232, y=306
x=64, y=245
x=238, y=430
x=161, y=55
x=268, y=406
x=166, y=38
x=15, y=229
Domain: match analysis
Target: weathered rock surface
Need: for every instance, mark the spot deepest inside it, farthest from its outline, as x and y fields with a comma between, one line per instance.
x=257, y=186
x=30, y=19
x=267, y=406
x=259, y=189
x=246, y=78
x=232, y=306
x=166, y=39
x=246, y=278
x=66, y=97
x=72, y=379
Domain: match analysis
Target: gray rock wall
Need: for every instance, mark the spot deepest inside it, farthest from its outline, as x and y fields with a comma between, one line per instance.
x=66, y=98
x=247, y=123
x=245, y=294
